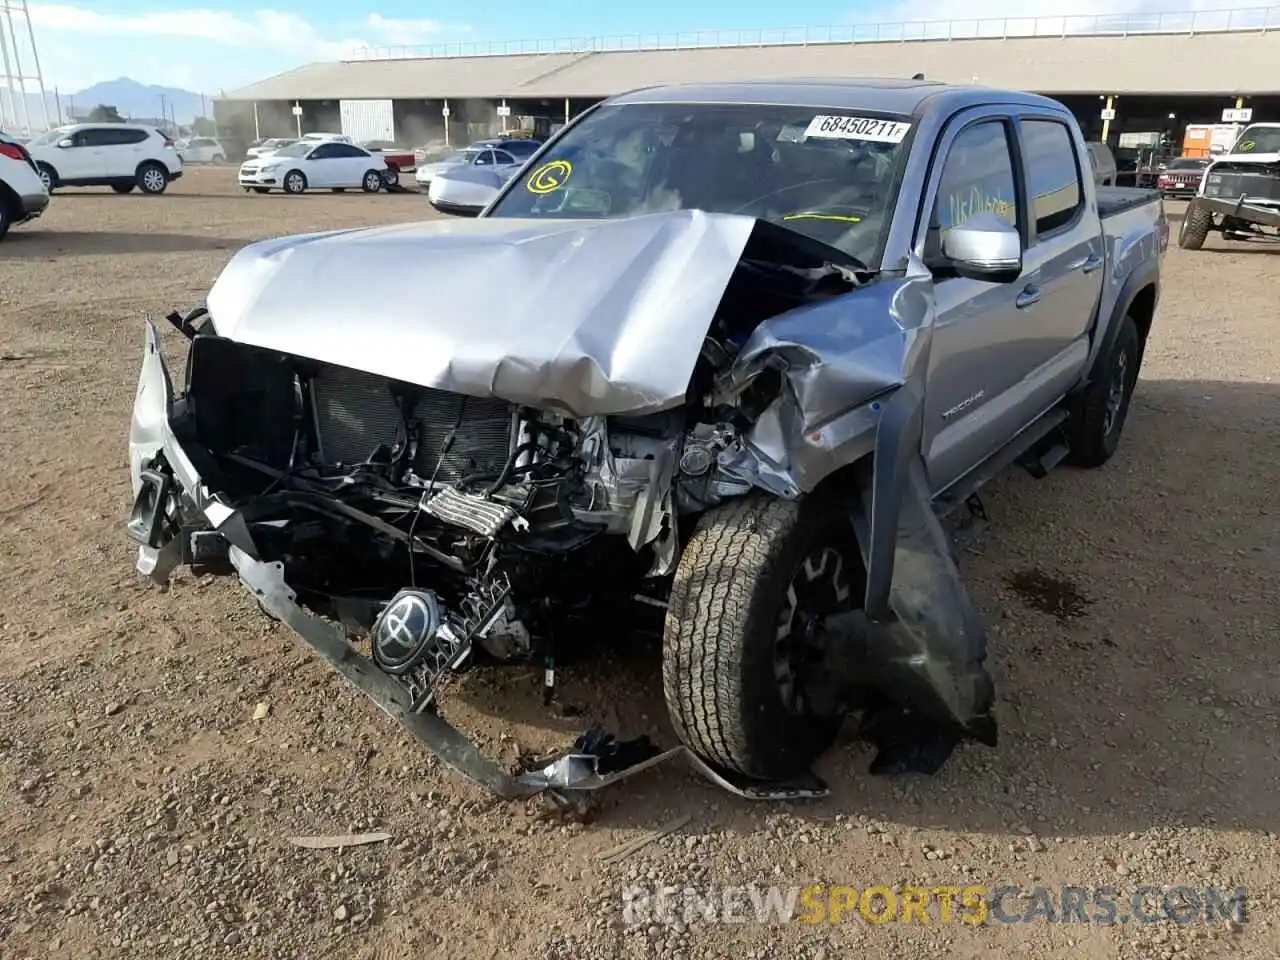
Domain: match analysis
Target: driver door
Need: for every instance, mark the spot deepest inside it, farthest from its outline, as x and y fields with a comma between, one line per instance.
x=321, y=166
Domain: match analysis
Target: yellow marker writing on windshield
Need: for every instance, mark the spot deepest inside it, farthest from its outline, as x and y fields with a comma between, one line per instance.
x=549, y=177
x=1246, y=146
x=815, y=215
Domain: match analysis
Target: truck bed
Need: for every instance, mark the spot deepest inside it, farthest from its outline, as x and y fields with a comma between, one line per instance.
x=1114, y=200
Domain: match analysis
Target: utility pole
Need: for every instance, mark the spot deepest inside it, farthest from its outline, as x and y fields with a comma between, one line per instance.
x=164, y=112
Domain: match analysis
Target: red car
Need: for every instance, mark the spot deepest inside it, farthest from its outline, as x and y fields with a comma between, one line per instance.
x=1181, y=177
x=399, y=160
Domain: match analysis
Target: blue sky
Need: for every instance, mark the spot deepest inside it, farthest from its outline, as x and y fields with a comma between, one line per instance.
x=222, y=45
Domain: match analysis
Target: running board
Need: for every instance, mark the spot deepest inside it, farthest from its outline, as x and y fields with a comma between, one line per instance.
x=1021, y=449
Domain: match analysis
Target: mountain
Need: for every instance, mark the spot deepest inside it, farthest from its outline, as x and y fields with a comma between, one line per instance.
x=137, y=101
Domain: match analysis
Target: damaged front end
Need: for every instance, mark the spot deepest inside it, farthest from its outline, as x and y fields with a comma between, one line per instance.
x=404, y=527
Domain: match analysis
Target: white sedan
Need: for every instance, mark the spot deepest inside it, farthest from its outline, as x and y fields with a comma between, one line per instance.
x=314, y=165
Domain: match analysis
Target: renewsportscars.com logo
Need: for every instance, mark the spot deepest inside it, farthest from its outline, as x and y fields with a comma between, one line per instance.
x=974, y=905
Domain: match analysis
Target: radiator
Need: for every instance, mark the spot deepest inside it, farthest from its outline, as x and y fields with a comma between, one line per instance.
x=355, y=412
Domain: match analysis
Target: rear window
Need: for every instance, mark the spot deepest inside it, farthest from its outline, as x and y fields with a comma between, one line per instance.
x=1053, y=174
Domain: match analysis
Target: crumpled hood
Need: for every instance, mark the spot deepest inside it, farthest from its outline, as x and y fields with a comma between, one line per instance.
x=587, y=316
x=1258, y=158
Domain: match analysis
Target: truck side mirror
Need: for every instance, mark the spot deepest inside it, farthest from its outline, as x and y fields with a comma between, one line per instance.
x=984, y=247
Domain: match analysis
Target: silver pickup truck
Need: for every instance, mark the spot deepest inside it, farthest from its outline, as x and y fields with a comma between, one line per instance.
x=724, y=355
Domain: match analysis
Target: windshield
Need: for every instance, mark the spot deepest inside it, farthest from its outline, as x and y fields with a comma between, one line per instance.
x=295, y=150
x=53, y=136
x=1258, y=140
x=1188, y=163
x=829, y=174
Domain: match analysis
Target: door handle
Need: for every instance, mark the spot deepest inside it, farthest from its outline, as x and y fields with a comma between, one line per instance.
x=1029, y=295
x=1089, y=264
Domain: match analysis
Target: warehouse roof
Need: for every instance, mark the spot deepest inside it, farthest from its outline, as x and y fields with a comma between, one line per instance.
x=1167, y=64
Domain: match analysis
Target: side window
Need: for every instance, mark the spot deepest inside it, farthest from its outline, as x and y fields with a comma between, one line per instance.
x=322, y=152
x=347, y=150
x=485, y=158
x=95, y=137
x=977, y=177
x=501, y=156
x=1053, y=174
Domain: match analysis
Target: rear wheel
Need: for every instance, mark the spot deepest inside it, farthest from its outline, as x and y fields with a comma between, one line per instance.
x=1196, y=224
x=295, y=182
x=755, y=582
x=153, y=179
x=391, y=175
x=1098, y=418
x=372, y=182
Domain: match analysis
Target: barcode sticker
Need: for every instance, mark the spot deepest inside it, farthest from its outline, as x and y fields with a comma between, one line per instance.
x=823, y=127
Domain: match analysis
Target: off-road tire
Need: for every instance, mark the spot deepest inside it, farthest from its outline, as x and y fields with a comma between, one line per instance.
x=727, y=596
x=122, y=187
x=1196, y=224
x=295, y=182
x=1091, y=439
x=152, y=178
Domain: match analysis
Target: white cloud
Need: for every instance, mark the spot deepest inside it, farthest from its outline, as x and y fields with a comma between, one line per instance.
x=960, y=18
x=202, y=48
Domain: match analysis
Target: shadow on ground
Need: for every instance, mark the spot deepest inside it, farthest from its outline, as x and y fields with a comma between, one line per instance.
x=24, y=243
x=1154, y=705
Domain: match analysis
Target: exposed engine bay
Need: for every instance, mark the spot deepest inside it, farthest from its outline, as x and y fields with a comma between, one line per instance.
x=440, y=523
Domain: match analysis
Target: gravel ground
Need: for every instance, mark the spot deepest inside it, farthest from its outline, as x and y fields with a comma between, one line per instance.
x=146, y=800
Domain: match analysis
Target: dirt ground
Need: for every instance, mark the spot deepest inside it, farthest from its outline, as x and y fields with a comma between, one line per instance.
x=1134, y=615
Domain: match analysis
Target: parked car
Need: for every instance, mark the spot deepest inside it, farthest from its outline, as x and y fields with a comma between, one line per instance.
x=751, y=364
x=23, y=196
x=398, y=159
x=1181, y=176
x=315, y=164
x=267, y=147
x=1239, y=192
x=117, y=155
x=483, y=157
x=203, y=150
x=464, y=190
x=1103, y=163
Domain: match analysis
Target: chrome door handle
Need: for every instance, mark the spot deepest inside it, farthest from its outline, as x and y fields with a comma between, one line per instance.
x=1027, y=297
x=1088, y=264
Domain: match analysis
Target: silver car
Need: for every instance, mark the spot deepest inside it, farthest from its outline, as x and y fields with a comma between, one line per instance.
x=501, y=160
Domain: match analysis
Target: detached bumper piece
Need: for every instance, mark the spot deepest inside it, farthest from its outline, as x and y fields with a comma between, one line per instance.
x=595, y=761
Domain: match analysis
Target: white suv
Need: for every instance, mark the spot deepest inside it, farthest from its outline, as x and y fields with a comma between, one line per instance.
x=22, y=195
x=117, y=155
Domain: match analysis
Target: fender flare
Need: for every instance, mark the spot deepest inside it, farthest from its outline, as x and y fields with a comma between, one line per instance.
x=1148, y=275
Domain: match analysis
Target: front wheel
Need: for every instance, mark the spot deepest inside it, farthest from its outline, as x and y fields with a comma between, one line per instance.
x=295, y=182
x=1100, y=412
x=755, y=583
x=48, y=177
x=1196, y=224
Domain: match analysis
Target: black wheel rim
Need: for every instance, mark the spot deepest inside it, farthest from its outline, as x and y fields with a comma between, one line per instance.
x=819, y=587
x=1117, y=391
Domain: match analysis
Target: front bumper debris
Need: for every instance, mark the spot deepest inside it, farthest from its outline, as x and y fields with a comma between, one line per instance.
x=165, y=543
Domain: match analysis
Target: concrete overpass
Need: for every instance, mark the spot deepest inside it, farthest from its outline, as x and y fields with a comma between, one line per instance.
x=1212, y=58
